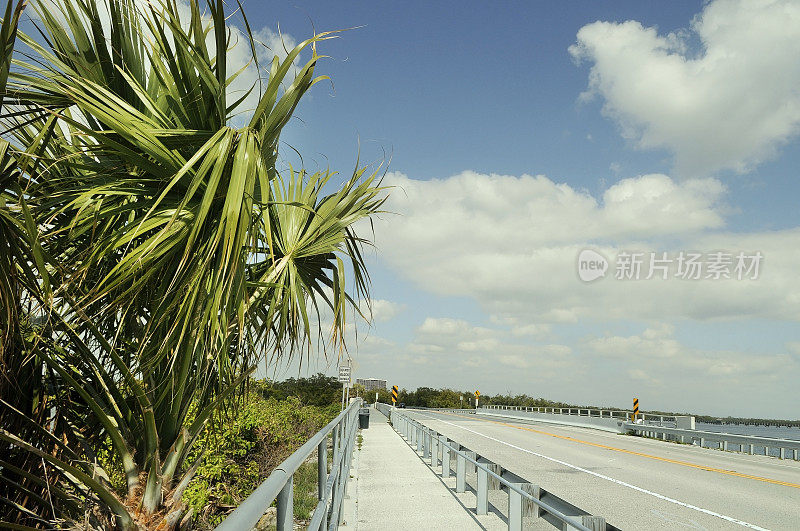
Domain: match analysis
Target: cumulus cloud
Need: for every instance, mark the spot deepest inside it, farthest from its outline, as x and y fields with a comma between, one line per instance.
x=381, y=310
x=729, y=104
x=654, y=365
x=657, y=356
x=511, y=243
x=443, y=344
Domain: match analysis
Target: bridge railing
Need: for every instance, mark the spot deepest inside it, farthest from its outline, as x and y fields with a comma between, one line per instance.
x=681, y=421
x=524, y=498
x=385, y=408
x=279, y=486
x=784, y=448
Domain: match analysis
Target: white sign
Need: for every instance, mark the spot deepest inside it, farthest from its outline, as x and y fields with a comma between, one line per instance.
x=344, y=373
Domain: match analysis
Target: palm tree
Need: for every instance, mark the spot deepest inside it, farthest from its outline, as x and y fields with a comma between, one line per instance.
x=182, y=254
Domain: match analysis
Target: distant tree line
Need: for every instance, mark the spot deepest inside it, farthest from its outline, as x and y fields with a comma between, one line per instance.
x=321, y=390
x=317, y=390
x=451, y=398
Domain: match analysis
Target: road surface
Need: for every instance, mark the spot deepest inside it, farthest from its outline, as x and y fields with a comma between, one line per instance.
x=635, y=483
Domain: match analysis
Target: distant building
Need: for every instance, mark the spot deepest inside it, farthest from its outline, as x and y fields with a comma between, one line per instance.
x=371, y=384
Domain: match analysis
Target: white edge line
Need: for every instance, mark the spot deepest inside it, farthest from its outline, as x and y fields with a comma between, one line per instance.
x=617, y=481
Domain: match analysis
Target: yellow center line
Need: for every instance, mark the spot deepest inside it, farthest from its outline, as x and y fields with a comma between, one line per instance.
x=631, y=452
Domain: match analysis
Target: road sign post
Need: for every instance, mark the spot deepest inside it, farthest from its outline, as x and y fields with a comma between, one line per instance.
x=477, y=398
x=344, y=378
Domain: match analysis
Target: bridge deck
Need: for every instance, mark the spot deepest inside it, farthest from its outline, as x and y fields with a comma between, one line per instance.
x=392, y=488
x=636, y=483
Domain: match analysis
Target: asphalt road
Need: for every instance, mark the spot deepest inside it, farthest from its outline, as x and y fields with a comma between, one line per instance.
x=636, y=483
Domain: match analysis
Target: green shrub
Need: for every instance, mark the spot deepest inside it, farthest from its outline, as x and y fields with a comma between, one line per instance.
x=238, y=453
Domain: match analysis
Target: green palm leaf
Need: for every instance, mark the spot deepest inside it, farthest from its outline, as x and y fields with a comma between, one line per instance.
x=182, y=256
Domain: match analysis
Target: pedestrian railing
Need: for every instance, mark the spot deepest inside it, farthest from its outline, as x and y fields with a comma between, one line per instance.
x=331, y=484
x=783, y=448
x=524, y=498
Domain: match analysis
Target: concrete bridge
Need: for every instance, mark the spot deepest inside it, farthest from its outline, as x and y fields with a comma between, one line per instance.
x=509, y=468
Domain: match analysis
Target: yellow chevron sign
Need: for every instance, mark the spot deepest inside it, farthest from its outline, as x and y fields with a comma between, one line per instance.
x=635, y=409
x=394, y=394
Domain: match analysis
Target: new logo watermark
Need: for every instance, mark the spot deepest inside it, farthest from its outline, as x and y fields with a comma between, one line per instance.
x=683, y=265
x=591, y=265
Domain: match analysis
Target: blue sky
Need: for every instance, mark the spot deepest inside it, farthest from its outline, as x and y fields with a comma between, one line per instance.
x=521, y=134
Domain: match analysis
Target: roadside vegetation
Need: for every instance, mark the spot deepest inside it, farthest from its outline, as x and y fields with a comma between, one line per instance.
x=152, y=254
x=242, y=447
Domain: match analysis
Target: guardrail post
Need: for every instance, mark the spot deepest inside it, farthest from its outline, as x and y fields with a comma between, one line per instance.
x=783, y=453
x=461, y=473
x=472, y=455
x=286, y=506
x=445, y=457
x=482, y=492
x=528, y=507
x=419, y=436
x=750, y=449
x=428, y=443
x=434, y=449
x=595, y=523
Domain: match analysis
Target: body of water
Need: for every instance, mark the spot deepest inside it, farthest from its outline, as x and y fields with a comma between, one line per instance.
x=774, y=432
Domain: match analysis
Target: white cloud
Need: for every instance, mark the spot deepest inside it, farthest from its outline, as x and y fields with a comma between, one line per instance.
x=536, y=330
x=660, y=359
x=381, y=310
x=730, y=104
x=654, y=342
x=455, y=345
x=511, y=243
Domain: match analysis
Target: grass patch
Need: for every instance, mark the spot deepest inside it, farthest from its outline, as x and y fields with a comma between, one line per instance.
x=305, y=490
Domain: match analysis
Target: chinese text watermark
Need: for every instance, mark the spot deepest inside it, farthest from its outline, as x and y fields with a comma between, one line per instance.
x=683, y=265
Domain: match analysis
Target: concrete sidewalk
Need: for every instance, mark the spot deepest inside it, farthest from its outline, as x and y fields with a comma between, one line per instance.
x=392, y=488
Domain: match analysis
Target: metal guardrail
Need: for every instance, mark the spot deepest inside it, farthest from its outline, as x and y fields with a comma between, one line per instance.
x=524, y=498
x=331, y=486
x=386, y=408
x=447, y=409
x=746, y=443
x=594, y=412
